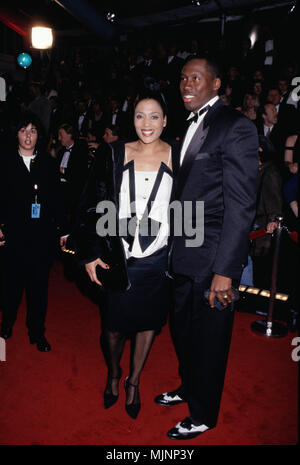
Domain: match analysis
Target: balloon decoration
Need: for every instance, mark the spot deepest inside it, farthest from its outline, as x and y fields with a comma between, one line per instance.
x=24, y=60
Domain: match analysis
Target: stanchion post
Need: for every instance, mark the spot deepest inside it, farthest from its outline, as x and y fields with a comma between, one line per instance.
x=268, y=327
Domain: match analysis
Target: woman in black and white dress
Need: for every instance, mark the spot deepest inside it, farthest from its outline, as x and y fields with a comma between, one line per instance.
x=138, y=178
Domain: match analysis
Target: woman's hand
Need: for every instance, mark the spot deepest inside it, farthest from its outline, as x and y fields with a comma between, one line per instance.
x=91, y=270
x=2, y=241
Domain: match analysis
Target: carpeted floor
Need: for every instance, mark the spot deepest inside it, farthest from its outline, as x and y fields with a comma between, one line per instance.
x=56, y=397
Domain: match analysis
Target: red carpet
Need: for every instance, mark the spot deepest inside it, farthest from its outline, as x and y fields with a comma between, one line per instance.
x=56, y=397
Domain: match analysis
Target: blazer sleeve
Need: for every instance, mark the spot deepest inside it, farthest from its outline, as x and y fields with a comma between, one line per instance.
x=88, y=244
x=240, y=182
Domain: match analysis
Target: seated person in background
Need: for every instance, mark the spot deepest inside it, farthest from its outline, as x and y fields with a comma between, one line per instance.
x=248, y=107
x=258, y=92
x=111, y=134
x=268, y=126
x=287, y=114
x=269, y=206
x=291, y=157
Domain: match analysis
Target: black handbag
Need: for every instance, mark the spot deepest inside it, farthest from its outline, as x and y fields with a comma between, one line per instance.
x=114, y=278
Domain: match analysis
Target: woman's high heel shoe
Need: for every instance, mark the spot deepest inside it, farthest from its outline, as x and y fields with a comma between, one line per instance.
x=135, y=406
x=109, y=398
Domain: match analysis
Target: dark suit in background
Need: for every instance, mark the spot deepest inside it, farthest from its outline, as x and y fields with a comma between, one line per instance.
x=75, y=174
x=277, y=138
x=30, y=243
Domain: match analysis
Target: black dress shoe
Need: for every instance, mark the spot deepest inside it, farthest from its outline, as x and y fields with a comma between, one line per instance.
x=186, y=429
x=6, y=333
x=41, y=343
x=170, y=398
x=109, y=398
x=135, y=406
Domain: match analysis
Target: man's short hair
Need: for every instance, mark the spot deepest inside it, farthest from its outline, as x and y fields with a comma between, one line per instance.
x=262, y=109
x=69, y=128
x=212, y=66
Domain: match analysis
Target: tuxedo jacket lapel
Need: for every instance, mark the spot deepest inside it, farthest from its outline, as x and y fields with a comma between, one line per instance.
x=195, y=146
x=118, y=153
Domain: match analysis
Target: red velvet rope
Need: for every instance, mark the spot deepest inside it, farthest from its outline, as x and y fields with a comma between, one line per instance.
x=262, y=232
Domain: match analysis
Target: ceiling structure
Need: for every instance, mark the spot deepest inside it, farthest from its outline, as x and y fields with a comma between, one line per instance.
x=89, y=16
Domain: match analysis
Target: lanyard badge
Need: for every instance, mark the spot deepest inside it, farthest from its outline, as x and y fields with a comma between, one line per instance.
x=35, y=207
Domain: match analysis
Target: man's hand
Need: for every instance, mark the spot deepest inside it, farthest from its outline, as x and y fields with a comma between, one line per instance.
x=93, y=145
x=2, y=241
x=221, y=288
x=91, y=270
x=271, y=227
x=63, y=242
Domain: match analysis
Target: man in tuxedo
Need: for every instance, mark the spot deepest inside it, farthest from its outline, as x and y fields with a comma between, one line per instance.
x=82, y=118
x=286, y=92
x=269, y=126
x=114, y=116
x=219, y=172
x=287, y=114
x=73, y=163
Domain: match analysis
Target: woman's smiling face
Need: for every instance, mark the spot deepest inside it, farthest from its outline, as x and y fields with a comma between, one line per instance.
x=149, y=120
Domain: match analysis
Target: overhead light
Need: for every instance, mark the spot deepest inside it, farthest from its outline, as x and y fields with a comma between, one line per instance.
x=292, y=9
x=41, y=37
x=111, y=17
x=196, y=2
x=253, y=36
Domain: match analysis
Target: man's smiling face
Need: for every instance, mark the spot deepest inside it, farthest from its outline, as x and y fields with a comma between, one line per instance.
x=197, y=84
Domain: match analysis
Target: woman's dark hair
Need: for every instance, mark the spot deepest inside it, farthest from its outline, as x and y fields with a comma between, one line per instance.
x=152, y=96
x=27, y=118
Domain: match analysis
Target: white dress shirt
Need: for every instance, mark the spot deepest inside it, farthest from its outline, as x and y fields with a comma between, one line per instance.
x=268, y=130
x=193, y=127
x=64, y=162
x=27, y=160
x=80, y=121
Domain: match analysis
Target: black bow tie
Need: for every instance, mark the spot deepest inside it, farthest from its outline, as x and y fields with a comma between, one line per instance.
x=199, y=113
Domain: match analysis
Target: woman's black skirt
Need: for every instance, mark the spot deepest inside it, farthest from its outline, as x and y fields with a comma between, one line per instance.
x=145, y=305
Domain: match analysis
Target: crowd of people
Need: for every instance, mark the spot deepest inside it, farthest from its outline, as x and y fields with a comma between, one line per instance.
x=126, y=138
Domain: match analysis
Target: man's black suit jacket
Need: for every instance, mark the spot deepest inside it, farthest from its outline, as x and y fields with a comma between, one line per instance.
x=220, y=168
x=278, y=137
x=75, y=173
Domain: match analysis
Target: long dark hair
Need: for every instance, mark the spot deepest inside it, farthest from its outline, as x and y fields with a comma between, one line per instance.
x=27, y=118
